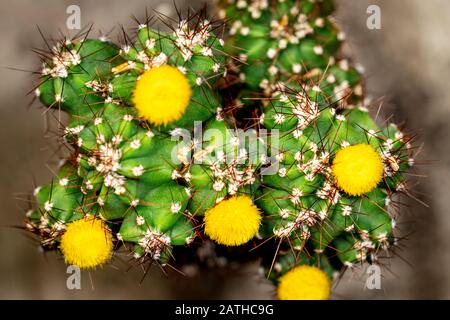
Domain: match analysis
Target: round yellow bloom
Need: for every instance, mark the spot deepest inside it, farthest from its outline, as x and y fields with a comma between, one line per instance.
x=162, y=95
x=357, y=169
x=87, y=243
x=233, y=222
x=304, y=283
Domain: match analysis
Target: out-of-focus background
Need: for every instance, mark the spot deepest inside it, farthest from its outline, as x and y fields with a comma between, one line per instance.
x=407, y=65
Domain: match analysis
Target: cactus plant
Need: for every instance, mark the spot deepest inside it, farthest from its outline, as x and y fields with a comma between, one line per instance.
x=122, y=133
x=328, y=204
x=319, y=193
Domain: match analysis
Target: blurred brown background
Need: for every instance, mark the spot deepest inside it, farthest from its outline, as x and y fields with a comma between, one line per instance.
x=407, y=66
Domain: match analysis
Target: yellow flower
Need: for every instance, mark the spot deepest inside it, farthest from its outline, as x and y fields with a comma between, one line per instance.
x=162, y=95
x=87, y=243
x=233, y=222
x=357, y=169
x=304, y=283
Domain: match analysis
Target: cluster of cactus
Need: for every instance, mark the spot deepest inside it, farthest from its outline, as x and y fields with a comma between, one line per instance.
x=328, y=204
x=157, y=163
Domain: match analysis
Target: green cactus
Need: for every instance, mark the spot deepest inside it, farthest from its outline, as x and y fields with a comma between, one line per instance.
x=283, y=42
x=157, y=160
x=313, y=95
x=57, y=203
x=122, y=169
